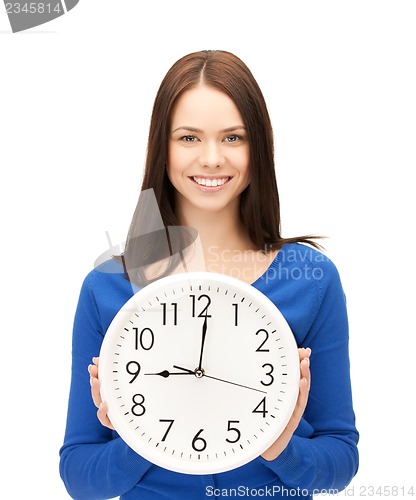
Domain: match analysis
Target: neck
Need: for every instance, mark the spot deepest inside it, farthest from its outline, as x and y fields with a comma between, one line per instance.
x=221, y=230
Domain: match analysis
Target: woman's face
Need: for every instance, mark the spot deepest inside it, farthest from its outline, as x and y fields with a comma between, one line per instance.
x=208, y=160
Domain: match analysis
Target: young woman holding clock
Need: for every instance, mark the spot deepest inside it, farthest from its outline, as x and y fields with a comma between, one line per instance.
x=210, y=165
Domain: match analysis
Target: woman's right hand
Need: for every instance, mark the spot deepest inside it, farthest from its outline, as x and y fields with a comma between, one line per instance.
x=96, y=396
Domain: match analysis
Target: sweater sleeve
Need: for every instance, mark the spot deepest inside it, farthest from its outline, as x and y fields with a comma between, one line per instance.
x=94, y=462
x=323, y=453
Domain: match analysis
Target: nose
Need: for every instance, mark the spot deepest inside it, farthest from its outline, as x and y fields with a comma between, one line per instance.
x=211, y=155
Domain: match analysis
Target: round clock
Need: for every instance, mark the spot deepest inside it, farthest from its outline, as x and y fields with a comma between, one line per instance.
x=200, y=372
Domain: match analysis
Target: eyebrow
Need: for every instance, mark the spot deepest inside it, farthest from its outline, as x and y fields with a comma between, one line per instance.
x=198, y=130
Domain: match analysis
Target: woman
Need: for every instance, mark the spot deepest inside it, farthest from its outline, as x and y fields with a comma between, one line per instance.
x=210, y=165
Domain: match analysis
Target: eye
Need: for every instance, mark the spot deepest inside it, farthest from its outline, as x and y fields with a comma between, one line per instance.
x=188, y=138
x=233, y=138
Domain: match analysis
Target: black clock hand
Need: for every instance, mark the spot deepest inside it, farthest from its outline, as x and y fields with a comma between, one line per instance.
x=234, y=383
x=204, y=334
x=166, y=373
x=187, y=370
x=196, y=372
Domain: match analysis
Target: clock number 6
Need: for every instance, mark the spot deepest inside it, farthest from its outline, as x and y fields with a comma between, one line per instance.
x=197, y=439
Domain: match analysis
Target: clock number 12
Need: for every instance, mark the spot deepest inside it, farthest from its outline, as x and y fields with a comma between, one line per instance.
x=204, y=312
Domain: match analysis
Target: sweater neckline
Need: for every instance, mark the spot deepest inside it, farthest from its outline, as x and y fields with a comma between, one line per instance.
x=274, y=263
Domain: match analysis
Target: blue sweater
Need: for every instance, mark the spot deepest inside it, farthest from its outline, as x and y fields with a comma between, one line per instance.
x=95, y=463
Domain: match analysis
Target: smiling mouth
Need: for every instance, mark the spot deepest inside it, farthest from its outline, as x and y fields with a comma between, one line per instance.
x=210, y=182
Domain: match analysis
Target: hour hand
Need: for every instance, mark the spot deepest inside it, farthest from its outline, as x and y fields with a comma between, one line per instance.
x=167, y=373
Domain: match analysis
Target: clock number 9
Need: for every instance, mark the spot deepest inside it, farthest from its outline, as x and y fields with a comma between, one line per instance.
x=139, y=338
x=133, y=368
x=204, y=312
x=138, y=404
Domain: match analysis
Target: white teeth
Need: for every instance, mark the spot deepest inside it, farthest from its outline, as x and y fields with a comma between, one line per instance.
x=202, y=181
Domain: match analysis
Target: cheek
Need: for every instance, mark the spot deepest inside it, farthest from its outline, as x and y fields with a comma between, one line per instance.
x=172, y=167
x=243, y=161
x=178, y=159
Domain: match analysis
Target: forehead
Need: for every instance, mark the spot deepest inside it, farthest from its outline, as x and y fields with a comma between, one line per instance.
x=205, y=107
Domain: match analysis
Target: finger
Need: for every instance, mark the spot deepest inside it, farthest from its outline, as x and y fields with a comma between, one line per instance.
x=95, y=391
x=299, y=407
x=305, y=369
x=282, y=441
x=304, y=353
x=280, y=444
x=102, y=415
x=93, y=371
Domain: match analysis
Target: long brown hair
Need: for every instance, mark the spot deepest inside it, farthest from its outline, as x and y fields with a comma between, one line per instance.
x=259, y=208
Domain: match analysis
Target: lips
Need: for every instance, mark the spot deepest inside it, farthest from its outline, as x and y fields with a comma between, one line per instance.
x=210, y=181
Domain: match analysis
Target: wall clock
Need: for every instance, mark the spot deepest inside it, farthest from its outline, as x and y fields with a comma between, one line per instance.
x=200, y=372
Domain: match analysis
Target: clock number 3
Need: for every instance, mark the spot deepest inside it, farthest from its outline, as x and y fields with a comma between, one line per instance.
x=268, y=374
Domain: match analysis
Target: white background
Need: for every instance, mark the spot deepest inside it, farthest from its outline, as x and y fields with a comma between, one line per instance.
x=75, y=101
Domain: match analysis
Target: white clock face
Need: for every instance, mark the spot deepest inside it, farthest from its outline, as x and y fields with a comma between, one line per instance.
x=200, y=372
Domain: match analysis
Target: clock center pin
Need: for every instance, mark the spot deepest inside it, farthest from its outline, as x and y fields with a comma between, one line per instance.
x=199, y=372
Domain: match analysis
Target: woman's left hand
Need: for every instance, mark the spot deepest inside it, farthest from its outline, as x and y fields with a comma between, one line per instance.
x=305, y=381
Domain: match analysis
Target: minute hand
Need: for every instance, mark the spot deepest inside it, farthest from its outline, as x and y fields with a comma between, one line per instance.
x=234, y=383
x=204, y=334
x=188, y=371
